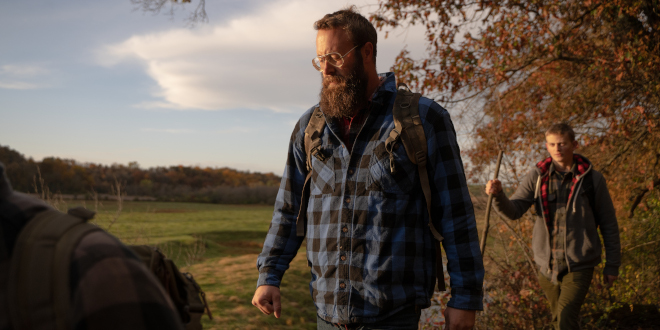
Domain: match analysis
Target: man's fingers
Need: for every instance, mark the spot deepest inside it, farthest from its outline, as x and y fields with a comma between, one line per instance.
x=267, y=299
x=277, y=306
x=267, y=307
x=261, y=304
x=493, y=186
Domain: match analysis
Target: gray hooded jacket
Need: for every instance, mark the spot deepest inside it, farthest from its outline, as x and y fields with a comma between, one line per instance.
x=583, y=247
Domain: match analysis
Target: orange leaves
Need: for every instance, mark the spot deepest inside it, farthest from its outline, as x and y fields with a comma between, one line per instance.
x=593, y=63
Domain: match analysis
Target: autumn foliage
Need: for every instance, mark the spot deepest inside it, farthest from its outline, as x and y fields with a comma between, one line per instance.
x=520, y=66
x=528, y=64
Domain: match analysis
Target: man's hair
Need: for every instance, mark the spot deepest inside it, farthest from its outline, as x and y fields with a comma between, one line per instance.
x=359, y=29
x=561, y=129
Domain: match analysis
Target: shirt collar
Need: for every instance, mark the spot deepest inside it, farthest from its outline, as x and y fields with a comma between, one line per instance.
x=572, y=170
x=386, y=88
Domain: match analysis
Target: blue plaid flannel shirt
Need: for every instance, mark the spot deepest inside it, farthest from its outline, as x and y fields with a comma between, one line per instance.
x=369, y=246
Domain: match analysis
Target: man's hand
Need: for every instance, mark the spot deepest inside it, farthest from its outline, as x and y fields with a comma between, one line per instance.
x=609, y=280
x=493, y=187
x=267, y=299
x=459, y=319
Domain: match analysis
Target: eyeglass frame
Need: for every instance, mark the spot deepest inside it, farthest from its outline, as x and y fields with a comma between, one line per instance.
x=341, y=57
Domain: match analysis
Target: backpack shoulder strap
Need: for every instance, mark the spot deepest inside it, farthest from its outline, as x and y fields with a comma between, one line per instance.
x=588, y=186
x=408, y=127
x=40, y=295
x=312, y=144
x=411, y=132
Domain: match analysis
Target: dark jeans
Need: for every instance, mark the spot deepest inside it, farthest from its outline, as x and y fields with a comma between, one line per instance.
x=406, y=319
x=566, y=297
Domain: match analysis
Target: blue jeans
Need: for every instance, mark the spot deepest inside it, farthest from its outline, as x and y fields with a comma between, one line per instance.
x=405, y=319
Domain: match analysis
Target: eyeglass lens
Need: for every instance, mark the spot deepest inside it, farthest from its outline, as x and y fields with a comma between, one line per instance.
x=332, y=59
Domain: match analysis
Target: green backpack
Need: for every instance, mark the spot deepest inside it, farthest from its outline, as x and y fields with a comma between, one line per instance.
x=409, y=130
x=41, y=300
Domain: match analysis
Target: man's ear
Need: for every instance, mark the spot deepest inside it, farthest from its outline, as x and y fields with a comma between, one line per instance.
x=575, y=144
x=367, y=53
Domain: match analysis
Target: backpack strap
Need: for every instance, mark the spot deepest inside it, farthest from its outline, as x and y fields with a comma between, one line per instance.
x=588, y=186
x=312, y=144
x=40, y=295
x=408, y=127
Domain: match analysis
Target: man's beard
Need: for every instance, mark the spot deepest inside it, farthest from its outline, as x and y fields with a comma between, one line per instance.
x=347, y=95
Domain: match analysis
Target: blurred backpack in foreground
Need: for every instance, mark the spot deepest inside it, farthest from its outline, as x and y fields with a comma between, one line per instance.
x=59, y=272
x=187, y=296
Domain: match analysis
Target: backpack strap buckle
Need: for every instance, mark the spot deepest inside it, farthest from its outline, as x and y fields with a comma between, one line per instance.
x=317, y=152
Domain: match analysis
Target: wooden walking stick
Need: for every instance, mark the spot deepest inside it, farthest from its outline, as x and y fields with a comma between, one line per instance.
x=484, y=234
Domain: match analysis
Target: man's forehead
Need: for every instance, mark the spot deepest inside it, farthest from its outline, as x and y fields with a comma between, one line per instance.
x=332, y=38
x=552, y=137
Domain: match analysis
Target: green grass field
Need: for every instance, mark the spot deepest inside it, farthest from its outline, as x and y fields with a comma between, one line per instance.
x=219, y=245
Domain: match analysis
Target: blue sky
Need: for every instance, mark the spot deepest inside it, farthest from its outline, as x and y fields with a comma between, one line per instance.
x=100, y=82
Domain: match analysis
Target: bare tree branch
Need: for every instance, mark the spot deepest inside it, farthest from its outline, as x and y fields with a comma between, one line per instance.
x=639, y=197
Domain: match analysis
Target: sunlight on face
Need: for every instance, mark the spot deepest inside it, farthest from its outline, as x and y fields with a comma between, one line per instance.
x=560, y=147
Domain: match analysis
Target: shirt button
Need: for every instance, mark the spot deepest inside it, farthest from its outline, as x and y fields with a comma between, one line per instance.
x=343, y=258
x=350, y=171
x=347, y=200
x=342, y=285
x=344, y=230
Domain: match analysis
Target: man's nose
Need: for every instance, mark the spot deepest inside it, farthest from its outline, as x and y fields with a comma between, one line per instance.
x=328, y=69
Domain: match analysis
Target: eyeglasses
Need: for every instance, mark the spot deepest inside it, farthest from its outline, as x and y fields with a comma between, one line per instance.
x=334, y=59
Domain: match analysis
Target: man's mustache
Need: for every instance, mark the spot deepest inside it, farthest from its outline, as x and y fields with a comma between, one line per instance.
x=333, y=79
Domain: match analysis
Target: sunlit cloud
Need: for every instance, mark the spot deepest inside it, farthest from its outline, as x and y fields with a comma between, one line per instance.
x=259, y=62
x=19, y=76
x=249, y=63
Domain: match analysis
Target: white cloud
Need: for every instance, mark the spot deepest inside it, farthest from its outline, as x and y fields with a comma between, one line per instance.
x=23, y=70
x=260, y=61
x=21, y=76
x=17, y=85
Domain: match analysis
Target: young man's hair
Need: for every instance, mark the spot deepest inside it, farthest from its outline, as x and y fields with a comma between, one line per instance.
x=561, y=129
x=359, y=29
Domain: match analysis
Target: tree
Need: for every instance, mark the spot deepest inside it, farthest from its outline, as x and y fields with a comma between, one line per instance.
x=522, y=65
x=594, y=64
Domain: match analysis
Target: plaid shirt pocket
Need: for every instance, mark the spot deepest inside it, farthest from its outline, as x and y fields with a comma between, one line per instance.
x=399, y=181
x=323, y=172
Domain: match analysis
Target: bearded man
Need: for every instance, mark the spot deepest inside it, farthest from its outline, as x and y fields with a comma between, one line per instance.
x=369, y=244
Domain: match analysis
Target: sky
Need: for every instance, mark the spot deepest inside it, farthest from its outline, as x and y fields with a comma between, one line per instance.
x=102, y=82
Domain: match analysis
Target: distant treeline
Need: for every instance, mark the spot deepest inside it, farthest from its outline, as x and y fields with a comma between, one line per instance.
x=174, y=183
